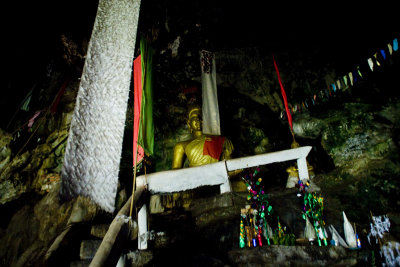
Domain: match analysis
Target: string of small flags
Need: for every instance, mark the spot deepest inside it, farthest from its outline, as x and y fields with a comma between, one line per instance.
x=344, y=81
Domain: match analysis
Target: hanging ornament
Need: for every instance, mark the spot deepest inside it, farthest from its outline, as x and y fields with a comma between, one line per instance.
x=242, y=235
x=259, y=237
x=248, y=236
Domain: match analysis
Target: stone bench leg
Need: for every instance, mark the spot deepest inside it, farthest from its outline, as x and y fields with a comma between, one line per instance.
x=303, y=169
x=142, y=228
x=225, y=187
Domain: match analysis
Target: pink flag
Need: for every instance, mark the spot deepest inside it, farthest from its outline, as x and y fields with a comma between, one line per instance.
x=138, y=152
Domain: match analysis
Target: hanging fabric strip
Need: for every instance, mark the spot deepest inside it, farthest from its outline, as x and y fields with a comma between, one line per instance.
x=26, y=101
x=376, y=59
x=359, y=71
x=395, y=45
x=138, y=152
x=390, y=49
x=283, y=95
x=211, y=120
x=383, y=54
x=146, y=126
x=339, y=85
x=371, y=64
x=351, y=78
x=333, y=87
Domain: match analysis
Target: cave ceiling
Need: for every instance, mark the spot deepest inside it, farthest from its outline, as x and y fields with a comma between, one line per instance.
x=340, y=33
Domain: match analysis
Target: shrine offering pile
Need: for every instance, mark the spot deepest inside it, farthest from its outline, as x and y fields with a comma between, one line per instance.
x=313, y=212
x=256, y=218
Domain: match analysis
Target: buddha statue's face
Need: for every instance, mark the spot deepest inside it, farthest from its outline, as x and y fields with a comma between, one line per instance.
x=195, y=123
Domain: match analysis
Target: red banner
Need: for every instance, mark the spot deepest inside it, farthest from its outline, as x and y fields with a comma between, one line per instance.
x=289, y=115
x=138, y=152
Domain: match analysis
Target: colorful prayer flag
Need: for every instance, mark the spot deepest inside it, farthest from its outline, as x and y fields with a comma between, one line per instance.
x=143, y=136
x=371, y=64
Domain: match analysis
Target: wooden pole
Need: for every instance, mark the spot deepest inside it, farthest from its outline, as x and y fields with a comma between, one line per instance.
x=110, y=248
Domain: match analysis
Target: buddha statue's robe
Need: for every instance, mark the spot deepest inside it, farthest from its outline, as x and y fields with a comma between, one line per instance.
x=208, y=149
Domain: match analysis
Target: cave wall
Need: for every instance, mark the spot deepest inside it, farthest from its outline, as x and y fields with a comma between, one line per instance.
x=354, y=134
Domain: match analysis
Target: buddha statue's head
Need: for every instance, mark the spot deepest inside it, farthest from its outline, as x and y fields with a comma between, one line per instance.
x=194, y=121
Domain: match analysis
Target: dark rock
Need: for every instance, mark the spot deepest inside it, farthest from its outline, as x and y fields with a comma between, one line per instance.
x=295, y=256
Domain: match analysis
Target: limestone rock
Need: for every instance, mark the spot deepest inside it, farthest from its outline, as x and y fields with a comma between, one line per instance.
x=88, y=249
x=99, y=230
x=306, y=126
x=140, y=257
x=5, y=150
x=294, y=256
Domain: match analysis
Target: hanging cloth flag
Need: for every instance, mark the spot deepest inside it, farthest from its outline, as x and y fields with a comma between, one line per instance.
x=143, y=136
x=351, y=78
x=359, y=71
x=32, y=120
x=211, y=121
x=284, y=96
x=138, y=151
x=390, y=49
x=339, y=85
x=395, y=45
x=26, y=101
x=376, y=59
x=333, y=87
x=383, y=54
x=371, y=64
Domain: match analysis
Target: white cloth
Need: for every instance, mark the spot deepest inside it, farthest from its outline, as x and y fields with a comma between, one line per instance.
x=211, y=121
x=93, y=151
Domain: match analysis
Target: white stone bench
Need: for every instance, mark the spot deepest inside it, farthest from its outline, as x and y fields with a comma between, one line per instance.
x=211, y=174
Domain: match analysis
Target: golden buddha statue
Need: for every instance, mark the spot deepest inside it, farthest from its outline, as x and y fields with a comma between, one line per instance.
x=202, y=149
